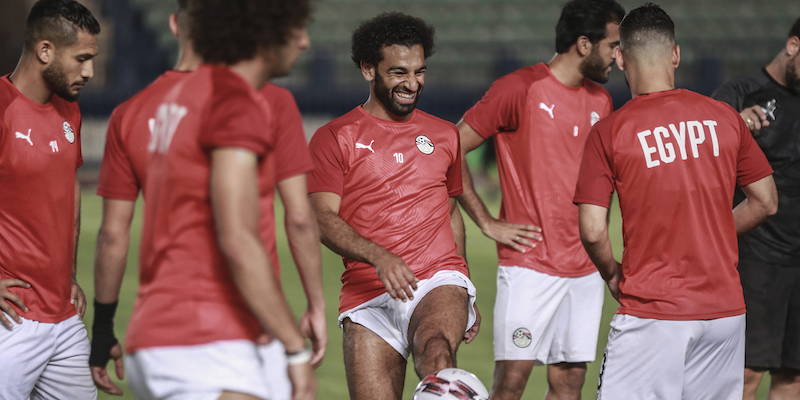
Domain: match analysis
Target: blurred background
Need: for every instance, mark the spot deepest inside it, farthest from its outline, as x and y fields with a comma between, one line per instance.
x=477, y=41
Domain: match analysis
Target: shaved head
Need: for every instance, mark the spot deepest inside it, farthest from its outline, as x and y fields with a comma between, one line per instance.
x=647, y=34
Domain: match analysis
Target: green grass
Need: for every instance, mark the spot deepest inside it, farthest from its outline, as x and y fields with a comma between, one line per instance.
x=476, y=357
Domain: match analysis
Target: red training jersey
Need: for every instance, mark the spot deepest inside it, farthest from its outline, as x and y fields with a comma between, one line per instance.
x=674, y=158
x=540, y=127
x=187, y=295
x=40, y=149
x=395, y=180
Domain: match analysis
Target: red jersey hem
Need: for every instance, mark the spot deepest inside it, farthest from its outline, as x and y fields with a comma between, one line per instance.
x=551, y=271
x=755, y=177
x=47, y=319
x=331, y=189
x=669, y=317
x=111, y=194
x=293, y=173
x=467, y=118
x=588, y=200
x=133, y=349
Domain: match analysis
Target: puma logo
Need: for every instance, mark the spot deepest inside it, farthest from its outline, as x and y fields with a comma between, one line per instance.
x=27, y=138
x=364, y=146
x=549, y=110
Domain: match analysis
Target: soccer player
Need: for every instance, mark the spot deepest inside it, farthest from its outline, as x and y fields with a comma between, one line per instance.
x=674, y=157
x=44, y=347
x=123, y=175
x=549, y=295
x=769, y=256
x=207, y=285
x=383, y=188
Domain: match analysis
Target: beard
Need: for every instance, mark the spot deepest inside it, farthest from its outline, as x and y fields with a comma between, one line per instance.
x=594, y=68
x=792, y=79
x=386, y=97
x=57, y=81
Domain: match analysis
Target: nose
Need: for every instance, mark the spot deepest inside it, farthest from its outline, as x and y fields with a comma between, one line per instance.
x=88, y=70
x=413, y=82
x=304, y=41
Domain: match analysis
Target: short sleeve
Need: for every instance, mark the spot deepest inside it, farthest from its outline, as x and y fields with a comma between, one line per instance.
x=328, y=173
x=751, y=164
x=117, y=179
x=595, y=178
x=291, y=150
x=454, y=178
x=235, y=118
x=500, y=108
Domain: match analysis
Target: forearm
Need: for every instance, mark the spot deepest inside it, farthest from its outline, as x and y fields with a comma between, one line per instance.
x=602, y=255
x=472, y=203
x=340, y=237
x=593, y=226
x=760, y=204
x=303, y=236
x=457, y=224
x=109, y=266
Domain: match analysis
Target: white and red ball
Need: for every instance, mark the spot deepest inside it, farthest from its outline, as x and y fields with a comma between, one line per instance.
x=451, y=384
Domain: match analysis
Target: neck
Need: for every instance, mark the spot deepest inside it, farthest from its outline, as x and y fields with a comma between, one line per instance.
x=377, y=109
x=567, y=68
x=27, y=78
x=188, y=60
x=253, y=71
x=777, y=68
x=650, y=80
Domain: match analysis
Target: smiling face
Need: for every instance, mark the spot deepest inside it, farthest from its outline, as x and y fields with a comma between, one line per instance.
x=398, y=80
x=72, y=67
x=597, y=65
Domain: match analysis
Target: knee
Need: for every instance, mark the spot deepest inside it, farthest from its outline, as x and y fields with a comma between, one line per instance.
x=785, y=377
x=509, y=383
x=566, y=377
x=432, y=354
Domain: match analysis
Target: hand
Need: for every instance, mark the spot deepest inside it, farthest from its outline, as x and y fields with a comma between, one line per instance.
x=513, y=235
x=304, y=383
x=470, y=334
x=755, y=118
x=6, y=297
x=77, y=298
x=396, y=276
x=613, y=281
x=100, y=374
x=312, y=326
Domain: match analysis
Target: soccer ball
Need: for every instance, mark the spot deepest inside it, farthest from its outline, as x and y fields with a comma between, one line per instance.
x=451, y=384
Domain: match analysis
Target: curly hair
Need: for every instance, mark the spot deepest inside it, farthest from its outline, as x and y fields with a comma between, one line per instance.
x=795, y=31
x=388, y=29
x=58, y=21
x=229, y=31
x=585, y=18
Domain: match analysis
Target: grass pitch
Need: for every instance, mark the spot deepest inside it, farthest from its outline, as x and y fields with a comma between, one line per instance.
x=477, y=357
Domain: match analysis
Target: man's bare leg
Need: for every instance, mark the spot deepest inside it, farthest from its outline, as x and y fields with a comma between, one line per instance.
x=785, y=384
x=374, y=369
x=752, y=379
x=565, y=381
x=437, y=327
x=510, y=379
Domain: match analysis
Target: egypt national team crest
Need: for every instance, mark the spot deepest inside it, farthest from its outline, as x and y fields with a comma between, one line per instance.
x=522, y=337
x=595, y=117
x=68, y=132
x=424, y=144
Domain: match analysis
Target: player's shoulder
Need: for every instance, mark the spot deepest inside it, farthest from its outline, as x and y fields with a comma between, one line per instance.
x=276, y=92
x=734, y=91
x=524, y=77
x=433, y=122
x=347, y=119
x=8, y=93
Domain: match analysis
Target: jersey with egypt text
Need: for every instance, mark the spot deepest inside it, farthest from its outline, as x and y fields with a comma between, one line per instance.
x=40, y=149
x=395, y=180
x=122, y=173
x=674, y=158
x=777, y=240
x=540, y=127
x=187, y=295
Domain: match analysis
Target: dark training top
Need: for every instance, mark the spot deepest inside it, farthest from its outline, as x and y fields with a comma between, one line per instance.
x=777, y=241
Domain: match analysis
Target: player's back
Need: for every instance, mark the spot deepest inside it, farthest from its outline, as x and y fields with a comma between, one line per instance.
x=187, y=295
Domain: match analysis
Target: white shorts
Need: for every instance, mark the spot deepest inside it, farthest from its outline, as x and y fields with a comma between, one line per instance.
x=45, y=361
x=199, y=372
x=276, y=370
x=673, y=360
x=389, y=318
x=545, y=318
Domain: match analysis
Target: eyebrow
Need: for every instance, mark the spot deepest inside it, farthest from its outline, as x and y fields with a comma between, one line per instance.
x=404, y=69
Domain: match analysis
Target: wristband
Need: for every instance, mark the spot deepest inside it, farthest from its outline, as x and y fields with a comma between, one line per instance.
x=299, y=358
x=103, y=338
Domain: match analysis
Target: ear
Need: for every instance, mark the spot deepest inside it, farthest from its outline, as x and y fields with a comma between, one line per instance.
x=793, y=46
x=173, y=24
x=368, y=71
x=618, y=57
x=45, y=52
x=583, y=46
x=676, y=56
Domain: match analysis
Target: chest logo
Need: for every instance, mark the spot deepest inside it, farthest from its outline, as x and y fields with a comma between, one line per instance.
x=27, y=138
x=366, y=146
x=68, y=132
x=769, y=109
x=424, y=144
x=594, y=117
x=548, y=109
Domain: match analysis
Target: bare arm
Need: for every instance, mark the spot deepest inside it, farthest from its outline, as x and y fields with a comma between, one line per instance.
x=76, y=293
x=517, y=236
x=755, y=118
x=394, y=273
x=593, y=225
x=303, y=235
x=760, y=204
x=457, y=224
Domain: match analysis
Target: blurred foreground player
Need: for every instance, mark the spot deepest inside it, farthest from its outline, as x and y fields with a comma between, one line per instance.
x=383, y=188
x=549, y=295
x=123, y=175
x=44, y=347
x=207, y=285
x=769, y=256
x=674, y=157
